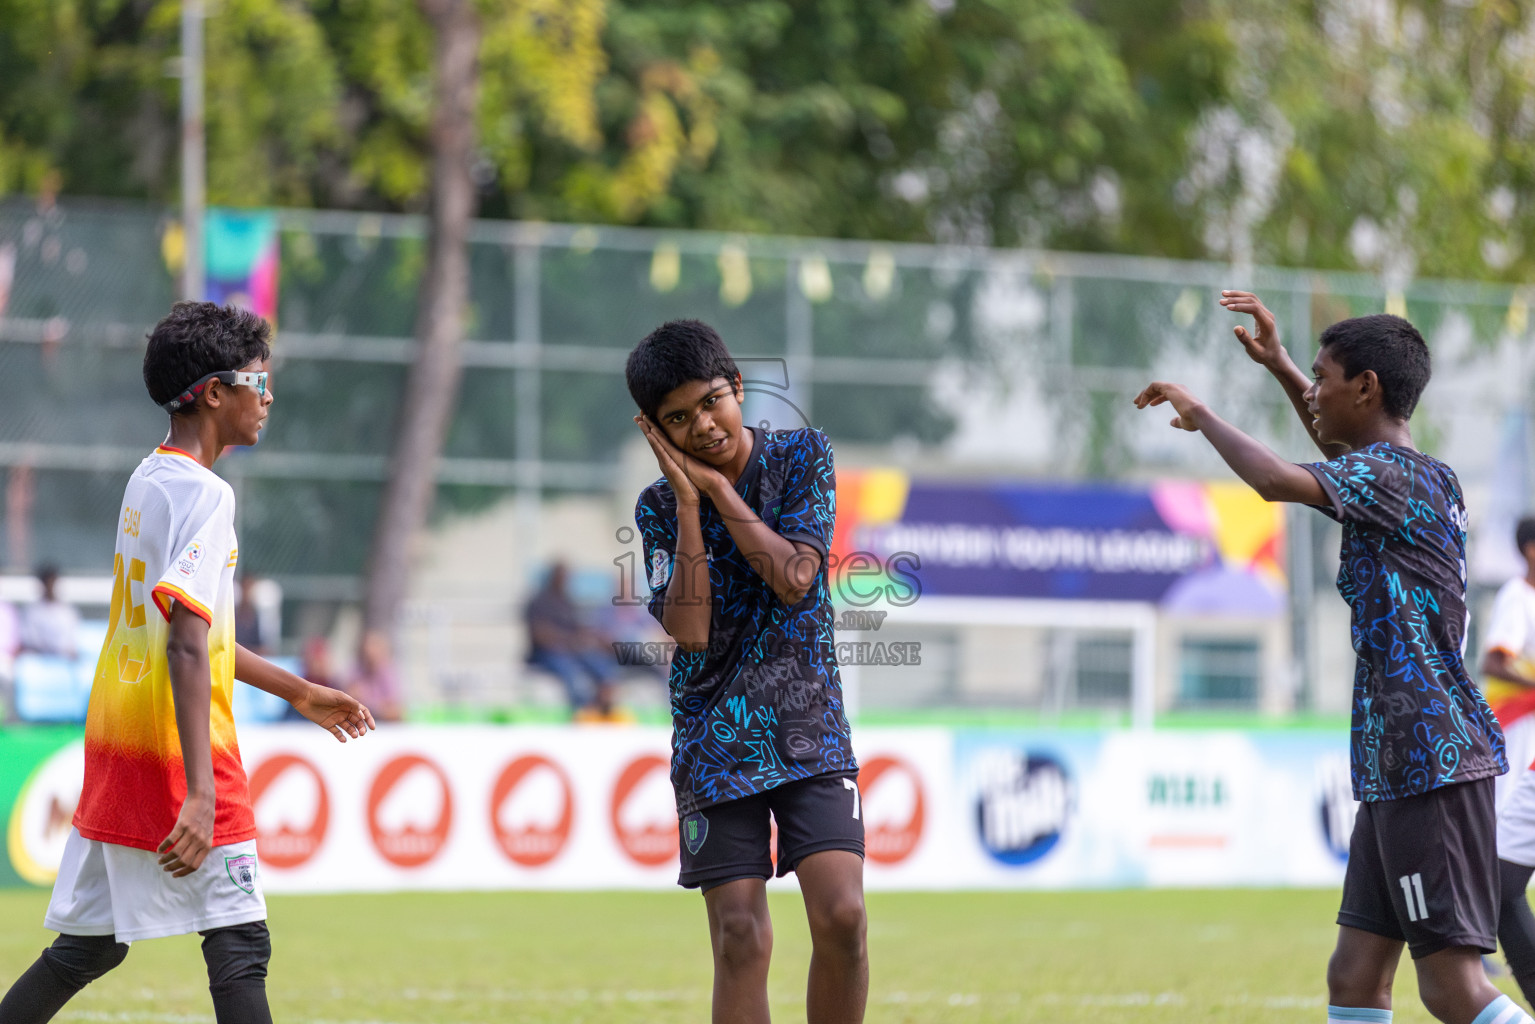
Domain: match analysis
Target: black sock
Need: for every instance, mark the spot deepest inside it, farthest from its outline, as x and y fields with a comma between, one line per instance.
x=237, y=961
x=71, y=963
x=1516, y=926
x=241, y=1002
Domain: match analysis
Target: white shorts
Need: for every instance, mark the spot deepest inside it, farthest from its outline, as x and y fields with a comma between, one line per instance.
x=1519, y=744
x=106, y=889
x=1516, y=823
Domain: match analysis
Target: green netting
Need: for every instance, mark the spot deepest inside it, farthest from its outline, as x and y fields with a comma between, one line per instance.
x=883, y=347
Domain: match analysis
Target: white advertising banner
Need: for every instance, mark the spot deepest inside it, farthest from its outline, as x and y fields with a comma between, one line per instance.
x=523, y=807
x=1059, y=809
x=459, y=807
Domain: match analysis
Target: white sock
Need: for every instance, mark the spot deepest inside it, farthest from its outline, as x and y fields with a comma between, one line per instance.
x=1502, y=1010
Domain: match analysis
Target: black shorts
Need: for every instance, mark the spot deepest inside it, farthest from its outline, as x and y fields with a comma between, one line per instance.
x=1424, y=869
x=730, y=841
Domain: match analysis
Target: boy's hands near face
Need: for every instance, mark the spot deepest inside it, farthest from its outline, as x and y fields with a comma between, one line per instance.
x=338, y=713
x=1262, y=344
x=690, y=478
x=1184, y=404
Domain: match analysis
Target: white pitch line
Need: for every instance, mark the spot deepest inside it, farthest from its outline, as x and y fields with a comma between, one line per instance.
x=1120, y=1001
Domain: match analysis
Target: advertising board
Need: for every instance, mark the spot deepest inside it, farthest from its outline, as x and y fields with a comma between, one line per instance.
x=553, y=807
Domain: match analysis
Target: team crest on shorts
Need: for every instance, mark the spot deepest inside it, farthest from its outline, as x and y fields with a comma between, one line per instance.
x=695, y=829
x=242, y=871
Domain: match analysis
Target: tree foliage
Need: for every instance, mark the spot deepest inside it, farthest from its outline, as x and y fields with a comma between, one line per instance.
x=1391, y=135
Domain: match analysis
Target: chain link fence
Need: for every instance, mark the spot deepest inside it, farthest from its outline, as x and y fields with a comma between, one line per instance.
x=941, y=360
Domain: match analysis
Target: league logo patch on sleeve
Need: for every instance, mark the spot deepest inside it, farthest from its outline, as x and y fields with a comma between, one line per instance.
x=660, y=569
x=187, y=565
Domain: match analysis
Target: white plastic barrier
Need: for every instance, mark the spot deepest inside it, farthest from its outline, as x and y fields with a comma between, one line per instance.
x=591, y=807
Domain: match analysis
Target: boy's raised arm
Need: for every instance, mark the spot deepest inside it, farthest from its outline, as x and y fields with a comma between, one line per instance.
x=1260, y=468
x=1265, y=349
x=786, y=564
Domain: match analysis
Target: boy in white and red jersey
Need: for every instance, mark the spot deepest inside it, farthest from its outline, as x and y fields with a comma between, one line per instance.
x=1508, y=664
x=164, y=840
x=1508, y=682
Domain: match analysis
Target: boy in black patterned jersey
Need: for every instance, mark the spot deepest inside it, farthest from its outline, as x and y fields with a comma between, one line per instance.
x=736, y=535
x=1425, y=749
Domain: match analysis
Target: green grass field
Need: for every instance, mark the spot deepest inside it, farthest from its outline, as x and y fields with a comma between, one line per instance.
x=626, y=958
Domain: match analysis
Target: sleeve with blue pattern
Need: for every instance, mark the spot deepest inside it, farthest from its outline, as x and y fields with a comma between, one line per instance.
x=657, y=524
x=809, y=508
x=1368, y=487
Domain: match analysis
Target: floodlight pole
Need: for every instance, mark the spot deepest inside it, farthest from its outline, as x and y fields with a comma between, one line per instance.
x=193, y=142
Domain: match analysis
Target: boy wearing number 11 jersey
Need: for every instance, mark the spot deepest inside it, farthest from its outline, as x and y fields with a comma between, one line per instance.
x=164, y=840
x=1425, y=750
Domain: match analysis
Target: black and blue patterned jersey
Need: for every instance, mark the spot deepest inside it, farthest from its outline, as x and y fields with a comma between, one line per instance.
x=761, y=706
x=1418, y=721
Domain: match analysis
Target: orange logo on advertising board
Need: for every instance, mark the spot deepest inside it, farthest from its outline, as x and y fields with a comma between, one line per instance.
x=645, y=826
x=894, y=809
x=520, y=810
x=410, y=810
x=294, y=785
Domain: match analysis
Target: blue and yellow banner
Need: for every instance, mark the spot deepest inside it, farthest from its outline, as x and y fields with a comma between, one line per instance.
x=1184, y=545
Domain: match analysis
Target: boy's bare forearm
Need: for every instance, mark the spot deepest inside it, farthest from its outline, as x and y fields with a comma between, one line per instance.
x=1296, y=384
x=786, y=569
x=253, y=669
x=685, y=614
x=191, y=694
x=1274, y=478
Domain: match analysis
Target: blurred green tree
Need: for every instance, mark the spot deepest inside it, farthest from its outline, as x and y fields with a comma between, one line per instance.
x=88, y=101
x=1396, y=137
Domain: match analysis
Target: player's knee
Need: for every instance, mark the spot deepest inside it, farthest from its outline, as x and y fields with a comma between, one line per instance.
x=1349, y=985
x=79, y=960
x=743, y=937
x=1439, y=999
x=237, y=954
x=840, y=925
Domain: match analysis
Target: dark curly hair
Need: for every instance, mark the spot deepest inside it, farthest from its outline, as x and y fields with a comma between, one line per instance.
x=670, y=356
x=199, y=338
x=1524, y=533
x=1391, y=347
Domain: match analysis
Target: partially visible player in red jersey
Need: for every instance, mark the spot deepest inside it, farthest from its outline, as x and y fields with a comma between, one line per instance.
x=164, y=840
x=1508, y=683
x=1508, y=663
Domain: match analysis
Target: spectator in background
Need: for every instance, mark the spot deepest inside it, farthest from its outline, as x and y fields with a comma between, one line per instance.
x=631, y=623
x=374, y=681
x=560, y=641
x=10, y=640
x=48, y=625
x=603, y=710
x=318, y=668
x=10, y=633
x=252, y=629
